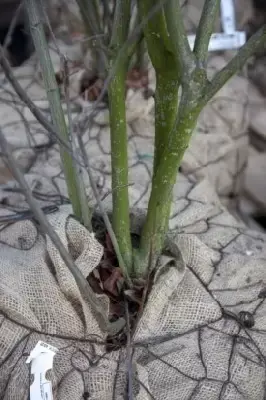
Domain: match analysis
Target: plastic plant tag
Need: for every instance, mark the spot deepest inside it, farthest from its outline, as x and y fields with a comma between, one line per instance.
x=228, y=16
x=223, y=41
x=229, y=39
x=41, y=359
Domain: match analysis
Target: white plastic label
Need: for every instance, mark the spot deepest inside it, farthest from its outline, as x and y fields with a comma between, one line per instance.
x=228, y=16
x=229, y=39
x=223, y=41
x=41, y=359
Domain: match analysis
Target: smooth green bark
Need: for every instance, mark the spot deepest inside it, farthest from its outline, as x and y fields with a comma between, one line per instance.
x=36, y=25
x=156, y=224
x=166, y=106
x=175, y=66
x=205, y=30
x=118, y=126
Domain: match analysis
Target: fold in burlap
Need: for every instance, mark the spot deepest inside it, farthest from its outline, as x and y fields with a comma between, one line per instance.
x=184, y=346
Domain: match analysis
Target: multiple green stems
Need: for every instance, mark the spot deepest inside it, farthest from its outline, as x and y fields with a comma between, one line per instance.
x=179, y=70
x=173, y=122
x=184, y=70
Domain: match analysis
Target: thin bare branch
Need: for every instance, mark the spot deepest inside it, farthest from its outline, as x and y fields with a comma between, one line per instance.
x=89, y=11
x=107, y=17
x=12, y=26
x=39, y=215
x=126, y=50
x=22, y=94
x=255, y=43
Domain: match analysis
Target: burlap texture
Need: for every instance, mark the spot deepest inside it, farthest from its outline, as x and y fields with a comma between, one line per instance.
x=184, y=346
x=218, y=149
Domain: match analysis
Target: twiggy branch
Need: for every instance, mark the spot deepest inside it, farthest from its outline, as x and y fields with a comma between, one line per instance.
x=107, y=17
x=90, y=15
x=82, y=283
x=22, y=94
x=254, y=44
x=205, y=29
x=126, y=51
x=12, y=26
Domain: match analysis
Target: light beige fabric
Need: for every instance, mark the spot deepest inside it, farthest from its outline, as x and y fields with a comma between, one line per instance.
x=182, y=348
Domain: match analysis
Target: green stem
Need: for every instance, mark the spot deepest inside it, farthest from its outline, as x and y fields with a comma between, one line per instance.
x=166, y=93
x=104, y=213
x=185, y=59
x=138, y=46
x=156, y=35
x=171, y=142
x=118, y=126
x=159, y=206
x=140, y=59
x=107, y=17
x=86, y=213
x=256, y=43
x=89, y=11
x=166, y=104
x=34, y=13
x=167, y=165
x=205, y=29
x=173, y=126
